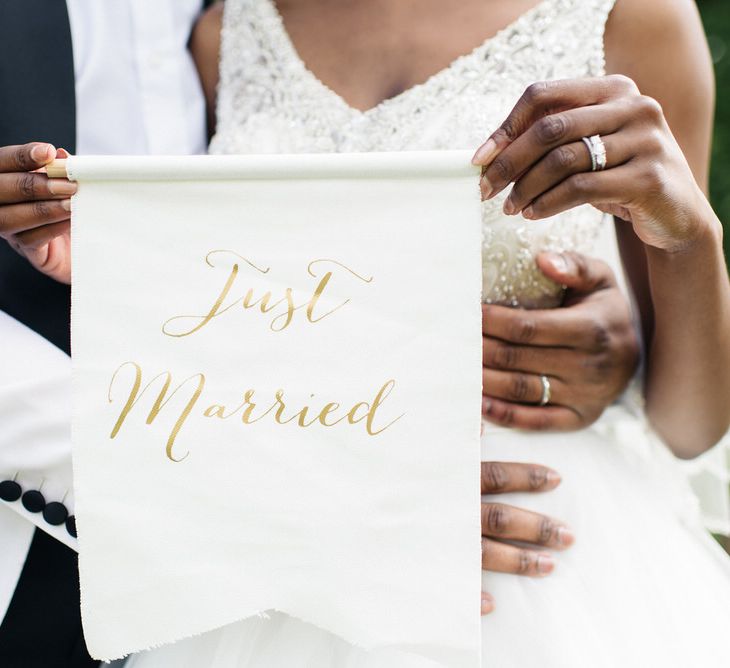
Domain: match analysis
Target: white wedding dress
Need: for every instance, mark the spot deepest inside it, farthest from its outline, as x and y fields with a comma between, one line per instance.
x=644, y=585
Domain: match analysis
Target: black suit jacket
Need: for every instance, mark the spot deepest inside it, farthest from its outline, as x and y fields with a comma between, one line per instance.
x=42, y=628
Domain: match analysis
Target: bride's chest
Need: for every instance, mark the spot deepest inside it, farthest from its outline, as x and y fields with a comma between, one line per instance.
x=373, y=50
x=271, y=100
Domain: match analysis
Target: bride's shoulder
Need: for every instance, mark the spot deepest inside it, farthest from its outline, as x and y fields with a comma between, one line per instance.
x=656, y=34
x=661, y=45
x=205, y=42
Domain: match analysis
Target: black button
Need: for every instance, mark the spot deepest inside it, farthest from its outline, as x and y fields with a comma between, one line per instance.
x=10, y=490
x=55, y=513
x=33, y=501
x=71, y=525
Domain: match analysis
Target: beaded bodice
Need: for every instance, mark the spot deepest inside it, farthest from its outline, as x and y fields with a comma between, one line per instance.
x=270, y=102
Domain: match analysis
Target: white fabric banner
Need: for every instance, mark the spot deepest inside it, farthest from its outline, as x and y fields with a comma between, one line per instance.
x=276, y=391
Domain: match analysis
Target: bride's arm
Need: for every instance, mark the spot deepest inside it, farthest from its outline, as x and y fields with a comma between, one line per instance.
x=673, y=234
x=684, y=296
x=205, y=48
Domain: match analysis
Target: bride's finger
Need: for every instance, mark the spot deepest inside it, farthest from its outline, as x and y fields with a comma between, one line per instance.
x=531, y=418
x=522, y=388
x=561, y=163
x=504, y=558
x=505, y=477
x=506, y=522
x=545, y=135
x=614, y=186
x=547, y=97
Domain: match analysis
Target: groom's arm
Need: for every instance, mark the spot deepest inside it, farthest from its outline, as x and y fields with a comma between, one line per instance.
x=35, y=433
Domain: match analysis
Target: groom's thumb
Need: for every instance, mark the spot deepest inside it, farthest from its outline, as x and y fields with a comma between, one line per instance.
x=576, y=271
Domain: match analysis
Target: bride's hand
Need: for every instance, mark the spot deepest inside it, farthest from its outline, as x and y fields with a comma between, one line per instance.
x=502, y=524
x=587, y=350
x=646, y=181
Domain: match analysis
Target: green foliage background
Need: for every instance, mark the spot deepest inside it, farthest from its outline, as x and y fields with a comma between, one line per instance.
x=716, y=17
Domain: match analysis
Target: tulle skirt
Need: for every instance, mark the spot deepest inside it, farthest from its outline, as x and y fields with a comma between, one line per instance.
x=644, y=585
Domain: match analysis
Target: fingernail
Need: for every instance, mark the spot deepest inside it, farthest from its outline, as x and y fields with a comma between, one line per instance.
x=553, y=478
x=485, y=153
x=486, y=187
x=61, y=187
x=565, y=537
x=66, y=204
x=558, y=262
x=487, y=603
x=528, y=212
x=545, y=564
x=509, y=207
x=41, y=152
x=486, y=406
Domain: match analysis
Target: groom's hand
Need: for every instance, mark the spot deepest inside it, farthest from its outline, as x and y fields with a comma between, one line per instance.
x=587, y=349
x=503, y=525
x=35, y=210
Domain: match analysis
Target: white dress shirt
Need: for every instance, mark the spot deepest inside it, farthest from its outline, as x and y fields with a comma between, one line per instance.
x=137, y=92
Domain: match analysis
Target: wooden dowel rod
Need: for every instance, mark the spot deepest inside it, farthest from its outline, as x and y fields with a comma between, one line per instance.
x=57, y=169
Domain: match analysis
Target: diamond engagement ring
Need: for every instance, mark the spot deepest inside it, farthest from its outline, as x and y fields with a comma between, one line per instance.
x=545, y=399
x=597, y=150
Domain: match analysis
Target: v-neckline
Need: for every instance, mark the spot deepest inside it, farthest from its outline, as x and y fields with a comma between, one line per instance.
x=479, y=50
